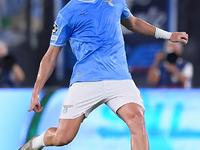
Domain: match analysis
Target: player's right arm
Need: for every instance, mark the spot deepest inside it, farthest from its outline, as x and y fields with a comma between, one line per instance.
x=46, y=68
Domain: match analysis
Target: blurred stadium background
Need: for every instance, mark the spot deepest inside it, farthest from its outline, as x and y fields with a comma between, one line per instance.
x=172, y=115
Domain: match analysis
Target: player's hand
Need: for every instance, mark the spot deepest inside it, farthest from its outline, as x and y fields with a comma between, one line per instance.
x=35, y=104
x=179, y=37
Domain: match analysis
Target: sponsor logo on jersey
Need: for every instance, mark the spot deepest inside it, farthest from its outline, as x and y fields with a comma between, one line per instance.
x=54, y=38
x=83, y=13
x=110, y=2
x=55, y=28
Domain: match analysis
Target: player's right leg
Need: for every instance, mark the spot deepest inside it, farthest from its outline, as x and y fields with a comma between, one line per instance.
x=81, y=99
x=64, y=134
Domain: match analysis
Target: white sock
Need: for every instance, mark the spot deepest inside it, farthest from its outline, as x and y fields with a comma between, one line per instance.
x=38, y=142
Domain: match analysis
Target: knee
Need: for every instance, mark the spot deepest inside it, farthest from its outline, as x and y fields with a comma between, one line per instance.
x=136, y=122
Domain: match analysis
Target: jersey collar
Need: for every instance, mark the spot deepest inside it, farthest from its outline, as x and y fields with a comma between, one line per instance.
x=87, y=1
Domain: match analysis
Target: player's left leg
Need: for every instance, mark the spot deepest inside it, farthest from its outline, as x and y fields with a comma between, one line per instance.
x=133, y=115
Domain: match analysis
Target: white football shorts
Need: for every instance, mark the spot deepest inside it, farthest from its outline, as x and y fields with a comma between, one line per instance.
x=83, y=97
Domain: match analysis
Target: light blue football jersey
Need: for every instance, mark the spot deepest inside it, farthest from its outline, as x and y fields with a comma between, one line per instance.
x=94, y=32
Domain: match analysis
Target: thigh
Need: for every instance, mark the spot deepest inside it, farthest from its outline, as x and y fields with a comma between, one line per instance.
x=129, y=111
x=68, y=128
x=123, y=92
x=81, y=99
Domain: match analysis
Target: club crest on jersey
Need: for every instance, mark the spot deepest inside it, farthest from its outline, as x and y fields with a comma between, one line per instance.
x=55, y=28
x=110, y=2
x=66, y=108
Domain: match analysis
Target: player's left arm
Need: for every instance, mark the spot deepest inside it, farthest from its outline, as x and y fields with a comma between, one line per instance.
x=139, y=26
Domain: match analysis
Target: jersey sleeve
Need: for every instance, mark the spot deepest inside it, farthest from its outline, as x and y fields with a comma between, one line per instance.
x=61, y=32
x=125, y=13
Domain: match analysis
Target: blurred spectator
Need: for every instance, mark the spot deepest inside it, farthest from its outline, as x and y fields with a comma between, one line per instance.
x=189, y=21
x=11, y=74
x=169, y=70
